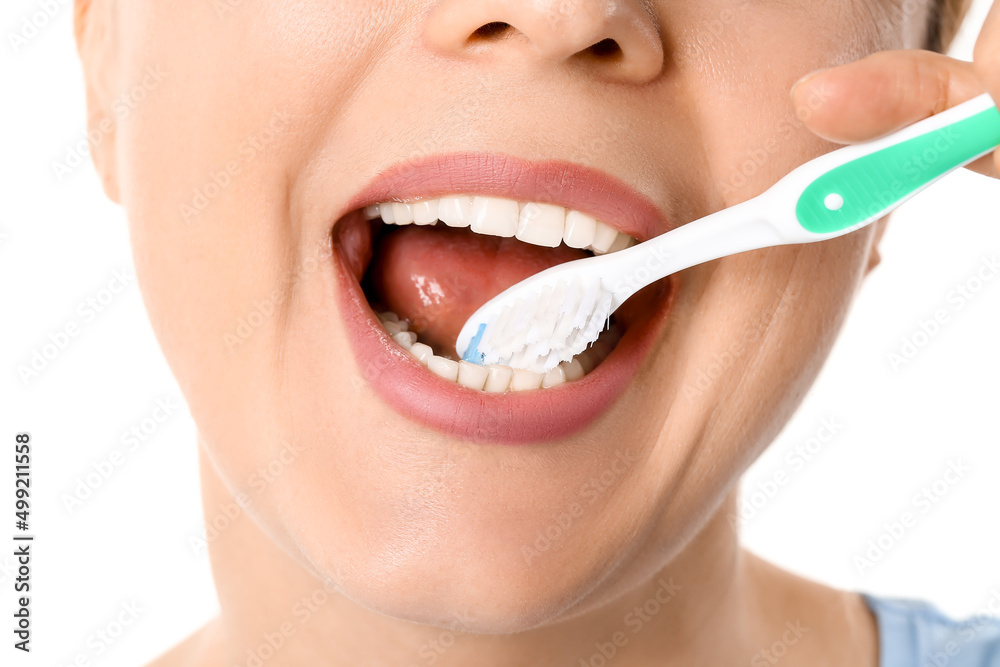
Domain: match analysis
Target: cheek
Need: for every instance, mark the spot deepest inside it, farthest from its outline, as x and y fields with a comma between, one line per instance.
x=757, y=329
x=746, y=57
x=784, y=309
x=206, y=163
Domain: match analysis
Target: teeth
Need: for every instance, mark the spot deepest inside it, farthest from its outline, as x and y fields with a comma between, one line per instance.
x=499, y=378
x=425, y=212
x=524, y=380
x=621, y=242
x=585, y=359
x=406, y=339
x=421, y=352
x=554, y=378
x=402, y=213
x=385, y=210
x=495, y=217
x=539, y=224
x=446, y=368
x=580, y=230
x=604, y=237
x=572, y=370
x=472, y=376
x=494, y=378
x=455, y=211
x=394, y=327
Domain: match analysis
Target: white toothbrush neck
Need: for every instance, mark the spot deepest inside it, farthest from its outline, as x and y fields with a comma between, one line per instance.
x=727, y=232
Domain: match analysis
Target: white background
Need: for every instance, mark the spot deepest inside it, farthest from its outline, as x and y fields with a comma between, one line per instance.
x=61, y=241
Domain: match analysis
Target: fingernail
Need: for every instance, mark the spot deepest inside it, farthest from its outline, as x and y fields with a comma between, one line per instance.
x=807, y=77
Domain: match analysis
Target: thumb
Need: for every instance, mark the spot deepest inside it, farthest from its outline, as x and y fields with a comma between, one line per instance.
x=883, y=93
x=986, y=59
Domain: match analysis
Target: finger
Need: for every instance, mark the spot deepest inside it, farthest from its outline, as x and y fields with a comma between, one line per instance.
x=882, y=93
x=986, y=63
x=988, y=166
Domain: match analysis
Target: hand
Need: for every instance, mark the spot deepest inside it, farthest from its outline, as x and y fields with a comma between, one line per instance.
x=889, y=90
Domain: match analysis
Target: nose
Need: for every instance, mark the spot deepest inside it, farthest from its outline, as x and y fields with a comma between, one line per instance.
x=617, y=39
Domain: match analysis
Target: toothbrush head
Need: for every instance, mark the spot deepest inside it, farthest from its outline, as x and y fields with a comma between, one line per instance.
x=538, y=323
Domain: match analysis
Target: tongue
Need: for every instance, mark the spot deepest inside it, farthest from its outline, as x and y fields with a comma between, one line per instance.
x=436, y=277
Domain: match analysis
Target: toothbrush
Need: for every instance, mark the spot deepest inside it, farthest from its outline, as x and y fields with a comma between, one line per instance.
x=556, y=314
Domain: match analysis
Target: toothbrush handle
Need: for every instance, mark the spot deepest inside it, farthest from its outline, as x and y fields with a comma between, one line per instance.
x=826, y=197
x=876, y=177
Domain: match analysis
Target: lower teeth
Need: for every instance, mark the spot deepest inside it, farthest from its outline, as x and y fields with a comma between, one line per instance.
x=498, y=379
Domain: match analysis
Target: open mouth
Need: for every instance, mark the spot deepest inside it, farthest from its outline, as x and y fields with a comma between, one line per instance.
x=419, y=265
x=426, y=278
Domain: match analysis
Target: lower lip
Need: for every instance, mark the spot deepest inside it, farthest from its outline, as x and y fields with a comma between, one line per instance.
x=510, y=418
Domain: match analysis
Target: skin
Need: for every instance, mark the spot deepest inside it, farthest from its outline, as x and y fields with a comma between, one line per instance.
x=384, y=526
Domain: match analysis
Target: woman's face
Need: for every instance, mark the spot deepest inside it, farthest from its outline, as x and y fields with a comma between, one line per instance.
x=246, y=166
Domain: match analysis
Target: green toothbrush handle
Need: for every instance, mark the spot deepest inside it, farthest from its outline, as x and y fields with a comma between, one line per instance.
x=880, y=175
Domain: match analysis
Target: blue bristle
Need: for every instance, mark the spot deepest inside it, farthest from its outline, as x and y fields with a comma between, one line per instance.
x=472, y=354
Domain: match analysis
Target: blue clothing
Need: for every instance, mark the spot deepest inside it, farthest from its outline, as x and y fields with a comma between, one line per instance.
x=914, y=633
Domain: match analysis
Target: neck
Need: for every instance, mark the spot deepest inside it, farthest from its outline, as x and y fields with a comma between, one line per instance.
x=698, y=609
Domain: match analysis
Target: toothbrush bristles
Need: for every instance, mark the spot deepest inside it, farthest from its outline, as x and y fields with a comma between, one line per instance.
x=541, y=329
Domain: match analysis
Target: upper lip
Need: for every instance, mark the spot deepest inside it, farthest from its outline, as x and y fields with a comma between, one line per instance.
x=566, y=184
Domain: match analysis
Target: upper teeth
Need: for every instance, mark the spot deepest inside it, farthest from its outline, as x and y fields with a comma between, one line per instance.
x=545, y=225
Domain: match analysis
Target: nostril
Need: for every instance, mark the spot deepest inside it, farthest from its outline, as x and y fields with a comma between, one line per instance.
x=490, y=30
x=606, y=49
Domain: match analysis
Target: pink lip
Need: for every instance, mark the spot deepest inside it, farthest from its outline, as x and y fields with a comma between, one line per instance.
x=511, y=418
